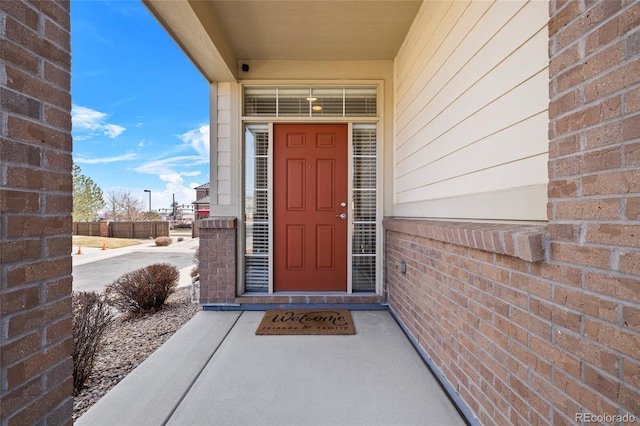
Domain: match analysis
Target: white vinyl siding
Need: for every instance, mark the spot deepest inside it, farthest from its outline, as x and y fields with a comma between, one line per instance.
x=471, y=99
x=223, y=152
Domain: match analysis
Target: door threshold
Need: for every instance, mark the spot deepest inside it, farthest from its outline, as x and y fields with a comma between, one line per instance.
x=278, y=300
x=267, y=306
x=310, y=293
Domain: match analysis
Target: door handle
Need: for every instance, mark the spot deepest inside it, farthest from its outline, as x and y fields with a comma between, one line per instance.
x=342, y=215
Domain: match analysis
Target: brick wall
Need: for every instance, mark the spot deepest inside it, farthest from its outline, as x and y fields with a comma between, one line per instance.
x=527, y=341
x=35, y=213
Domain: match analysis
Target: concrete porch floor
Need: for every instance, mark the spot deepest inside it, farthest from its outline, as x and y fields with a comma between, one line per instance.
x=216, y=371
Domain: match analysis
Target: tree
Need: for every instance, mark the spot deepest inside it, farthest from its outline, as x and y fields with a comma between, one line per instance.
x=175, y=210
x=151, y=216
x=87, y=197
x=122, y=206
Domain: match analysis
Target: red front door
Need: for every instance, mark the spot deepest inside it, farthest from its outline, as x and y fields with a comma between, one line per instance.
x=310, y=195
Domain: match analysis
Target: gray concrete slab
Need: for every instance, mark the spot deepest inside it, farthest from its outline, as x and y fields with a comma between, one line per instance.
x=95, y=268
x=96, y=275
x=216, y=371
x=372, y=378
x=150, y=393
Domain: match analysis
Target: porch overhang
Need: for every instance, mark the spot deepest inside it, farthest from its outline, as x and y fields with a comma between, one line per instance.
x=219, y=36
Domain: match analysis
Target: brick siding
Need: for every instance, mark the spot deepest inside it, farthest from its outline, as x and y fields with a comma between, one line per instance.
x=538, y=339
x=35, y=213
x=217, y=260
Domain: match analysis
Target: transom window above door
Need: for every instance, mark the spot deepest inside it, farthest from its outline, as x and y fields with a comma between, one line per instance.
x=310, y=102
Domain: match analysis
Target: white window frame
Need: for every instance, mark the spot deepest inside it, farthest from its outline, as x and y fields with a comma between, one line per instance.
x=350, y=121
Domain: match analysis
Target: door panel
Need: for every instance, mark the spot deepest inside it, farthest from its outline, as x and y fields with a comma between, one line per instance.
x=296, y=183
x=310, y=185
x=325, y=182
x=295, y=247
x=325, y=237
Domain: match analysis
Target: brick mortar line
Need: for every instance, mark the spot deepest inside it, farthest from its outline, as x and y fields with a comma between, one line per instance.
x=530, y=370
x=581, y=14
x=40, y=123
x=551, y=323
x=7, y=317
x=582, y=223
x=551, y=301
x=615, y=146
x=40, y=101
x=586, y=198
x=41, y=343
x=582, y=84
x=445, y=364
x=597, y=344
x=39, y=34
x=600, y=123
x=582, y=107
x=581, y=59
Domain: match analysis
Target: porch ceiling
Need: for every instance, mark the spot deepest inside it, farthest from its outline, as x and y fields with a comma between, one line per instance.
x=218, y=35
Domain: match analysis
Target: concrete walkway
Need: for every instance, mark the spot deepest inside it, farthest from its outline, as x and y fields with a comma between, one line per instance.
x=216, y=371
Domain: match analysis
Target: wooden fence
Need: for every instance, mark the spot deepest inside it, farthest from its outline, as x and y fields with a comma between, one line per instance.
x=91, y=229
x=135, y=230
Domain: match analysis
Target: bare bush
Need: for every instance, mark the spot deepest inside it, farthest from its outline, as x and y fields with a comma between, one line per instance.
x=143, y=290
x=163, y=241
x=195, y=271
x=123, y=206
x=180, y=239
x=91, y=317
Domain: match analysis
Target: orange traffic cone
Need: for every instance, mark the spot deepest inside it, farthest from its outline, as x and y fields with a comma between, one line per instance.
x=79, y=250
x=104, y=246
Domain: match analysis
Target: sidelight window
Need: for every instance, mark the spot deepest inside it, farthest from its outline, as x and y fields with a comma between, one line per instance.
x=257, y=194
x=364, y=231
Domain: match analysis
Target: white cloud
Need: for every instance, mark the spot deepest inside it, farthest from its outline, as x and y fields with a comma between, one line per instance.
x=105, y=160
x=173, y=169
x=112, y=130
x=175, y=187
x=198, y=139
x=171, y=164
x=91, y=123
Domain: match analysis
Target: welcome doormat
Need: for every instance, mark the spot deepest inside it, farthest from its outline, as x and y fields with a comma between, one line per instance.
x=306, y=321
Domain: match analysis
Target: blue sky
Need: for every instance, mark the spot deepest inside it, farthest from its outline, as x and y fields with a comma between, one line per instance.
x=140, y=107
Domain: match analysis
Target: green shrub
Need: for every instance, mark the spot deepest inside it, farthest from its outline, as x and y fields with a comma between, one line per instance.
x=143, y=290
x=163, y=241
x=91, y=317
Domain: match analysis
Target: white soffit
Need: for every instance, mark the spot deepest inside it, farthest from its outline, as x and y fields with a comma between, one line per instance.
x=216, y=34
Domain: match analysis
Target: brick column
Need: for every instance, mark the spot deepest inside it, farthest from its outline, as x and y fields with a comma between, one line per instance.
x=104, y=228
x=594, y=201
x=35, y=213
x=217, y=260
